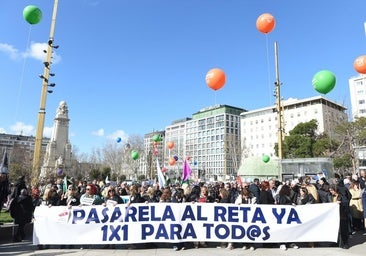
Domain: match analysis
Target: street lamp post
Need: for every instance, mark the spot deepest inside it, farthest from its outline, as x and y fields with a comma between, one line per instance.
x=44, y=91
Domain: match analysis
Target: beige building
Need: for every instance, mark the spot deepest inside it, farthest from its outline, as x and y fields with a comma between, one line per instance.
x=259, y=128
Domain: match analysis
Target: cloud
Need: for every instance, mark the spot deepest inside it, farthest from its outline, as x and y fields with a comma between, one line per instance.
x=35, y=51
x=21, y=128
x=2, y=130
x=119, y=133
x=99, y=133
x=28, y=130
x=9, y=50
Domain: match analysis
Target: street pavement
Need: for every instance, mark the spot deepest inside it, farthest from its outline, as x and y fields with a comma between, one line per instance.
x=357, y=247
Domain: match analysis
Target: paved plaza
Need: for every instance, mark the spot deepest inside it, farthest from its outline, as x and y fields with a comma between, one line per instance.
x=357, y=247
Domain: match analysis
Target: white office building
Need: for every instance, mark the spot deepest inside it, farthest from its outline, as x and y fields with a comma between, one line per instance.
x=213, y=142
x=357, y=89
x=259, y=128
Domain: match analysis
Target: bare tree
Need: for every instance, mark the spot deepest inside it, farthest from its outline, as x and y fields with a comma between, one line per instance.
x=118, y=156
x=233, y=151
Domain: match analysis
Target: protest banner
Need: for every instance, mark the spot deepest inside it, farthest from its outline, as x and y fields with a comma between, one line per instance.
x=170, y=222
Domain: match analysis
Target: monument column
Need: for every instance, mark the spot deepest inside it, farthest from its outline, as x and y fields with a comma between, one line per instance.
x=57, y=159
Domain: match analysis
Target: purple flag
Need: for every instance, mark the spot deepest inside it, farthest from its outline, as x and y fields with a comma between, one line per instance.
x=186, y=170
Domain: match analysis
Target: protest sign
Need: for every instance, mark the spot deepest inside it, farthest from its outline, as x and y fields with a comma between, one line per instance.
x=169, y=222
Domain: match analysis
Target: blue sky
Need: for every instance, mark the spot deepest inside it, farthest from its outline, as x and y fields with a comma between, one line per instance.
x=128, y=67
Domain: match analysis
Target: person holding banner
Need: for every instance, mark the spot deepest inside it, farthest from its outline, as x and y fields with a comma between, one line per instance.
x=224, y=198
x=203, y=198
x=90, y=197
x=246, y=197
x=178, y=197
x=284, y=198
x=337, y=197
x=70, y=197
x=135, y=196
x=112, y=199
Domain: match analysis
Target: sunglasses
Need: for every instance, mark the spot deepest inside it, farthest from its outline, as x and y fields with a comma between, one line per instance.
x=87, y=188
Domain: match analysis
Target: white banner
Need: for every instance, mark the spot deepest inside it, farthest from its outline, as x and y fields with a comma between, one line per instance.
x=172, y=222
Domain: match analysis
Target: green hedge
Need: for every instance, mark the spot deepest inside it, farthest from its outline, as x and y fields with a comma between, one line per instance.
x=5, y=217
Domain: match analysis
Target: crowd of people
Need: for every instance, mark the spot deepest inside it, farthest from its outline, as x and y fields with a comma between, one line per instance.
x=348, y=191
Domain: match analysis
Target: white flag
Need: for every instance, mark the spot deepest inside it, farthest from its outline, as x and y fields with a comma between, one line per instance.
x=160, y=174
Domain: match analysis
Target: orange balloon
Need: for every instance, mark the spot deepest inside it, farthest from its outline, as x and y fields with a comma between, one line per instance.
x=360, y=64
x=170, y=144
x=171, y=161
x=265, y=23
x=215, y=78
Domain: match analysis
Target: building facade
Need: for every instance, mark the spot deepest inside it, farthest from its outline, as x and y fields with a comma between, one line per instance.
x=176, y=134
x=213, y=142
x=357, y=89
x=259, y=128
x=20, y=145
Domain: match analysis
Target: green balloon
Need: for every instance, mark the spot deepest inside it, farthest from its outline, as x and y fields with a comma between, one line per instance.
x=265, y=158
x=324, y=81
x=32, y=14
x=156, y=138
x=134, y=154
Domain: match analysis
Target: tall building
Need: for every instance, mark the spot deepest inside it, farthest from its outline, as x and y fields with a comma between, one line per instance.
x=259, y=127
x=357, y=89
x=175, y=133
x=210, y=139
x=57, y=159
x=20, y=145
x=213, y=142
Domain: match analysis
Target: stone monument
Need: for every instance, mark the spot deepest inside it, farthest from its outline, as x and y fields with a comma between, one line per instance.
x=57, y=159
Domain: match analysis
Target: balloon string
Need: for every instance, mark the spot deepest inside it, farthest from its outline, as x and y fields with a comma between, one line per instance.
x=268, y=71
x=20, y=88
x=215, y=98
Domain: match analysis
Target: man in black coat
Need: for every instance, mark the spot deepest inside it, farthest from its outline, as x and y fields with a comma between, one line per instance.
x=21, y=210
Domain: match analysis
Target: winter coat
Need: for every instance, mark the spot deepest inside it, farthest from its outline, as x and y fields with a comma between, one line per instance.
x=21, y=209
